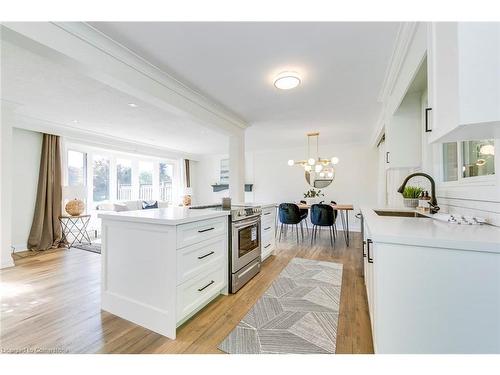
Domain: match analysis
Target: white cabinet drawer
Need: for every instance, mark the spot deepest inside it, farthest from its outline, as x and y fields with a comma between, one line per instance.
x=268, y=215
x=196, y=259
x=267, y=245
x=196, y=292
x=267, y=228
x=188, y=234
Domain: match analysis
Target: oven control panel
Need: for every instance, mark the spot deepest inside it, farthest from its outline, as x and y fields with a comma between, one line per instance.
x=248, y=211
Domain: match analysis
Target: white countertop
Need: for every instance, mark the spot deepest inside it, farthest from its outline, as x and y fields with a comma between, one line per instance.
x=164, y=216
x=262, y=205
x=429, y=232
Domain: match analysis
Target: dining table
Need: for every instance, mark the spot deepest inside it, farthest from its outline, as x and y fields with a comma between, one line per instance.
x=344, y=216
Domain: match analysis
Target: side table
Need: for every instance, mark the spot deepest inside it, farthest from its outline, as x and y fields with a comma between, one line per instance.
x=74, y=228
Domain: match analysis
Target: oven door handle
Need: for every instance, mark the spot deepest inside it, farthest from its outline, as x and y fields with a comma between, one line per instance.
x=246, y=223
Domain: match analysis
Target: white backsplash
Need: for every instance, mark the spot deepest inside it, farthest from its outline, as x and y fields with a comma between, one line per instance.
x=469, y=207
x=490, y=210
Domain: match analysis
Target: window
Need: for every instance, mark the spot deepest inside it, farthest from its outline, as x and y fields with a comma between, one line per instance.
x=77, y=168
x=118, y=176
x=224, y=171
x=146, y=180
x=166, y=176
x=450, y=162
x=478, y=158
x=100, y=178
x=123, y=179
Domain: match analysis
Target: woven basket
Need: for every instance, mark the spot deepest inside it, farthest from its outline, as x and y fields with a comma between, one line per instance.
x=75, y=207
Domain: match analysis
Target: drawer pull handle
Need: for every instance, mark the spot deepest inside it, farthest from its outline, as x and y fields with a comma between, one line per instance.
x=368, y=242
x=267, y=228
x=267, y=213
x=206, y=286
x=205, y=230
x=206, y=255
x=265, y=247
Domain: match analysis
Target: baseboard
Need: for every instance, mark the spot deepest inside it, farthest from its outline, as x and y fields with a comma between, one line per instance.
x=19, y=247
x=7, y=263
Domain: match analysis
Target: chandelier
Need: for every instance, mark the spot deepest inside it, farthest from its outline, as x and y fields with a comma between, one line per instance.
x=324, y=168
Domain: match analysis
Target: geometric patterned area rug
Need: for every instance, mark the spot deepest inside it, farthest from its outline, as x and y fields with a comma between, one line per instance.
x=298, y=314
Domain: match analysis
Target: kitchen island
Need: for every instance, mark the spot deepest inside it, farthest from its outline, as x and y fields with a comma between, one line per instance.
x=432, y=286
x=161, y=266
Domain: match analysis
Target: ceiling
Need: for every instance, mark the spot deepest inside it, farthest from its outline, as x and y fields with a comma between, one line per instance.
x=44, y=90
x=342, y=65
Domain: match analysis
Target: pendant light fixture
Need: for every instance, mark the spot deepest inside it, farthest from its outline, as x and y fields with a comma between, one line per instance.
x=314, y=162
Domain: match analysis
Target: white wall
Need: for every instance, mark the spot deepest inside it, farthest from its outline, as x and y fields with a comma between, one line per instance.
x=206, y=171
x=5, y=190
x=27, y=146
x=274, y=181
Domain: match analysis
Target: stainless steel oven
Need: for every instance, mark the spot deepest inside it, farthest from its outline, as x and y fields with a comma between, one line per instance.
x=244, y=243
x=245, y=251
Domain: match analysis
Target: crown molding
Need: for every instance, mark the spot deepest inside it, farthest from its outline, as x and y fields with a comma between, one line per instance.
x=404, y=38
x=104, y=43
x=27, y=122
x=81, y=47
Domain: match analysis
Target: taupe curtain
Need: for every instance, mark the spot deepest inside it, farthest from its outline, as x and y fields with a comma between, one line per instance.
x=188, y=173
x=45, y=230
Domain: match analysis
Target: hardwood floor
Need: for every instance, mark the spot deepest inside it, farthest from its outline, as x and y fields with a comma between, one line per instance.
x=51, y=303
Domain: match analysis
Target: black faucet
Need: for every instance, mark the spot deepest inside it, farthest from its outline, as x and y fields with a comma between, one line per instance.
x=433, y=203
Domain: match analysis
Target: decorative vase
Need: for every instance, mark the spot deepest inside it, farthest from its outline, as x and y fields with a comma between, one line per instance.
x=410, y=202
x=186, y=200
x=75, y=207
x=311, y=201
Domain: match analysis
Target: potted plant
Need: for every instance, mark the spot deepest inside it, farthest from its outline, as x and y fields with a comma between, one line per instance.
x=312, y=196
x=411, y=195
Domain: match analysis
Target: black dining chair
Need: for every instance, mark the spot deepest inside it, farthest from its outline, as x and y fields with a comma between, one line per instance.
x=304, y=212
x=289, y=214
x=322, y=215
x=335, y=213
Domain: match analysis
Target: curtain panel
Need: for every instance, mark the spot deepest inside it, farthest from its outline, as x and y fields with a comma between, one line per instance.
x=45, y=230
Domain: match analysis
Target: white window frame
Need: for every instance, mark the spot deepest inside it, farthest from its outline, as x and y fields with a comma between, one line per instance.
x=65, y=165
x=113, y=155
x=465, y=181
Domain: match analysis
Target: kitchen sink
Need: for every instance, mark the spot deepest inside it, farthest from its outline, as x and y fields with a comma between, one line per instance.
x=399, y=213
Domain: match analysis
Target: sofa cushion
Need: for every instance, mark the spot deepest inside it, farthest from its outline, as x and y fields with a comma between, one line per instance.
x=105, y=207
x=162, y=204
x=119, y=207
x=133, y=205
x=146, y=205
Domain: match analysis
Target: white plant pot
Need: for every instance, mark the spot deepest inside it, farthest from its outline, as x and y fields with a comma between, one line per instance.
x=311, y=201
x=410, y=202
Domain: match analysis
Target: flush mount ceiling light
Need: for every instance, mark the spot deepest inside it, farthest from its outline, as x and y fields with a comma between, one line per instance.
x=133, y=105
x=286, y=80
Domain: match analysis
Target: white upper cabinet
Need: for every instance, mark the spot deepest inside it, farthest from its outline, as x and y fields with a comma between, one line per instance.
x=463, y=80
x=403, y=134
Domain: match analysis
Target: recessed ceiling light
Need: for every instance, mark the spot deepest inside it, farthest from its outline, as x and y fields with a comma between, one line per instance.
x=287, y=80
x=75, y=121
x=133, y=105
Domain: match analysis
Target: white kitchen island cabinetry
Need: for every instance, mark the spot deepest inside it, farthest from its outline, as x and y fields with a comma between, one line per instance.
x=432, y=287
x=161, y=266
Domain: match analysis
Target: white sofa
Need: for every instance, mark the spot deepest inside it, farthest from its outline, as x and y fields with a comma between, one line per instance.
x=126, y=206
x=94, y=227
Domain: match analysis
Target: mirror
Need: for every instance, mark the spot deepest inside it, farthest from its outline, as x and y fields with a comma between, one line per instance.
x=319, y=180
